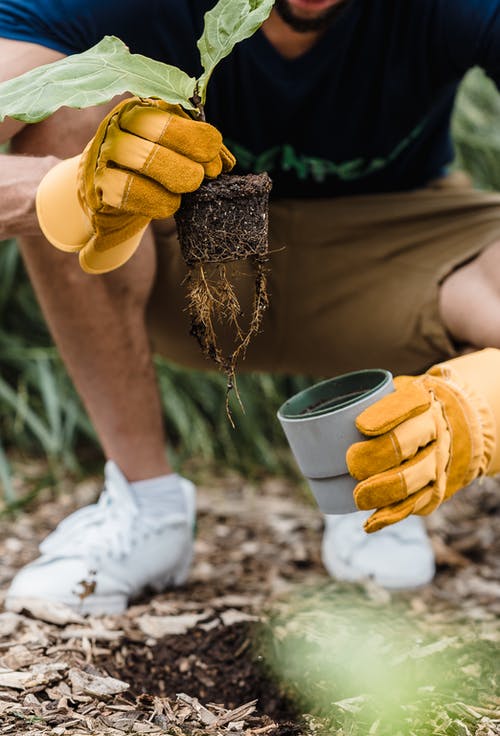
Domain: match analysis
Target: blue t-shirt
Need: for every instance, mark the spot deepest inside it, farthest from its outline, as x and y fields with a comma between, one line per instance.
x=366, y=110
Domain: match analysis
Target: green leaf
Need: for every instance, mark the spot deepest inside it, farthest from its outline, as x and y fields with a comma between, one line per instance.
x=92, y=78
x=228, y=23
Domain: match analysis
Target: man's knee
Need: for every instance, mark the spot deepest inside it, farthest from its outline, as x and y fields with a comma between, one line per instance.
x=470, y=300
x=58, y=278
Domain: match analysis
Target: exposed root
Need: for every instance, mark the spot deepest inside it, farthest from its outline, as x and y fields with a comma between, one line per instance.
x=225, y=221
x=212, y=300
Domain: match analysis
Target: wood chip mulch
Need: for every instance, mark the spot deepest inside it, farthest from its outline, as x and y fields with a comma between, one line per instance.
x=203, y=659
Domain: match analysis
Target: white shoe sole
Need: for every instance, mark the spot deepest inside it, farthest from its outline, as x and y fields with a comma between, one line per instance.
x=95, y=605
x=344, y=573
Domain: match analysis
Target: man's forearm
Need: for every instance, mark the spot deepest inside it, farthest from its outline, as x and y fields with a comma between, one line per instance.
x=19, y=180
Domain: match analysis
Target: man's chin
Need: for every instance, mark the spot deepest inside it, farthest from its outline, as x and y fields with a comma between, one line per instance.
x=306, y=16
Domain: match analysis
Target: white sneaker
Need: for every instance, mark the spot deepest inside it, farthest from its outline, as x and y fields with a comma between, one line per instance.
x=111, y=551
x=399, y=556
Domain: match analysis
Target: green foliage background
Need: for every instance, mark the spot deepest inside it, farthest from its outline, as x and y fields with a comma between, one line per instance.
x=40, y=412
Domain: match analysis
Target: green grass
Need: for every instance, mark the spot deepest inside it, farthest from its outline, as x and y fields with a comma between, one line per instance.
x=370, y=668
x=476, y=131
x=40, y=413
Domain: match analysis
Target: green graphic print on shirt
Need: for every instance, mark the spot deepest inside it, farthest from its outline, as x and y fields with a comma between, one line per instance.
x=285, y=158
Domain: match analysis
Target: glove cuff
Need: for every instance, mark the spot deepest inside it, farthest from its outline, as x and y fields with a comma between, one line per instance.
x=60, y=214
x=470, y=391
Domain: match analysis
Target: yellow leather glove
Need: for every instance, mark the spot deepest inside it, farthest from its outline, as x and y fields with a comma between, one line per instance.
x=143, y=157
x=434, y=435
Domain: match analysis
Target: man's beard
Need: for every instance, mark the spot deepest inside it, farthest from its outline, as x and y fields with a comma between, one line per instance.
x=306, y=25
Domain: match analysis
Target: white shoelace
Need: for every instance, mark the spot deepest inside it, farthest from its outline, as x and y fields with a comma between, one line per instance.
x=110, y=527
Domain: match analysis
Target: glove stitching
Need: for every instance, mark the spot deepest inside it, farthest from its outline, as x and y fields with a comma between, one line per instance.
x=128, y=185
x=477, y=451
x=126, y=192
x=155, y=149
x=396, y=446
x=438, y=487
x=113, y=120
x=152, y=155
x=477, y=415
x=404, y=485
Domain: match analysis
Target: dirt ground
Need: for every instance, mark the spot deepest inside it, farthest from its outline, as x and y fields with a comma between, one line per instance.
x=221, y=655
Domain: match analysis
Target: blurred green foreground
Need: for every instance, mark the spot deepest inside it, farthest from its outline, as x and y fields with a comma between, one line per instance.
x=358, y=666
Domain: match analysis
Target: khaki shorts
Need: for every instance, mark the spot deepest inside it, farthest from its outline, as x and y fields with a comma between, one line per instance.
x=353, y=282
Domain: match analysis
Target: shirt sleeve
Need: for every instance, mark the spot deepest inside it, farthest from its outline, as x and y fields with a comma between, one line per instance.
x=61, y=25
x=469, y=35
x=73, y=26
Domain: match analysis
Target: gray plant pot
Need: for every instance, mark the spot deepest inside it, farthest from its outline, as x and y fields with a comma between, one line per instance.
x=319, y=424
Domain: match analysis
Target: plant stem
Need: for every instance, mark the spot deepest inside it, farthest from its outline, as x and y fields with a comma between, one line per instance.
x=197, y=102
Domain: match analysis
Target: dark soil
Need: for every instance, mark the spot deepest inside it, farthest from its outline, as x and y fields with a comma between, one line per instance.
x=218, y=666
x=225, y=222
x=225, y=219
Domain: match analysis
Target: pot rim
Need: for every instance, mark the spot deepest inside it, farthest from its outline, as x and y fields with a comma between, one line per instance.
x=338, y=393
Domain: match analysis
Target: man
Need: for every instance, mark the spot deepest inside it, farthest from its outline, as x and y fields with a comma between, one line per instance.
x=386, y=263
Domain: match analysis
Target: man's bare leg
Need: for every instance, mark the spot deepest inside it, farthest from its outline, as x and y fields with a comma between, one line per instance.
x=98, y=321
x=140, y=534
x=470, y=301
